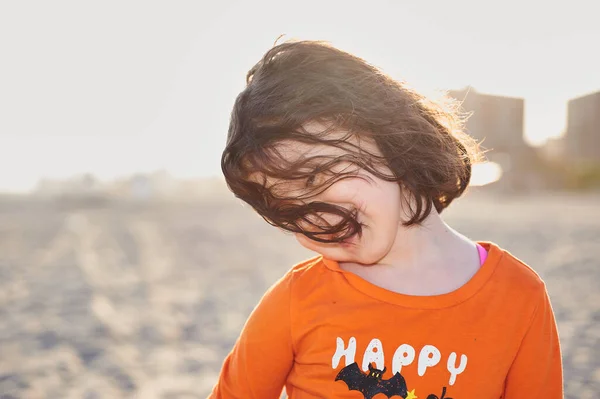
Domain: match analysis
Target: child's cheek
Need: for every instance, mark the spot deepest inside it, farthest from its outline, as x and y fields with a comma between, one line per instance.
x=345, y=192
x=313, y=221
x=308, y=243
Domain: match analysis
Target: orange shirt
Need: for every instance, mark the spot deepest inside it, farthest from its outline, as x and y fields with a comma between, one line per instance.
x=323, y=332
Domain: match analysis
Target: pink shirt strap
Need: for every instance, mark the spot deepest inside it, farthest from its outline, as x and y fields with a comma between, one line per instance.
x=482, y=254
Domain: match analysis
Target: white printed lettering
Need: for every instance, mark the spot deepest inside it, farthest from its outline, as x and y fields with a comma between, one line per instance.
x=349, y=353
x=373, y=353
x=404, y=355
x=454, y=371
x=428, y=357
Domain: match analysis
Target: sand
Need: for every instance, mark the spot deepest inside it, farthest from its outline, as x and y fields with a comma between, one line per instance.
x=145, y=300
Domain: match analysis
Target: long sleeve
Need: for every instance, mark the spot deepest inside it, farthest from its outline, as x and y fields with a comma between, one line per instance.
x=537, y=369
x=261, y=359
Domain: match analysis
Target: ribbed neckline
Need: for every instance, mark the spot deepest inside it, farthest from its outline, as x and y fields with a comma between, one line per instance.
x=449, y=299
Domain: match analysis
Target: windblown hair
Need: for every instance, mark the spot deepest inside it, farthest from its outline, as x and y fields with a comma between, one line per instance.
x=422, y=145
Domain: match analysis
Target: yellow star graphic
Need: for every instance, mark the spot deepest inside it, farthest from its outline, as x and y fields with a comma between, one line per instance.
x=411, y=395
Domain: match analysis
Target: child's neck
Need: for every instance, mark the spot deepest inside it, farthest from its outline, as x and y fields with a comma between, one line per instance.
x=431, y=241
x=428, y=259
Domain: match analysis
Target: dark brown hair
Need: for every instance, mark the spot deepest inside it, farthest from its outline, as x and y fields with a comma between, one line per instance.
x=421, y=144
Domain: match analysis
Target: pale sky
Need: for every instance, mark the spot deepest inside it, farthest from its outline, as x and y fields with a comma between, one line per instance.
x=117, y=87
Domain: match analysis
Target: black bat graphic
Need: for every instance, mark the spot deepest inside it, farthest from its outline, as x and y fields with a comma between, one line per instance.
x=371, y=384
x=432, y=396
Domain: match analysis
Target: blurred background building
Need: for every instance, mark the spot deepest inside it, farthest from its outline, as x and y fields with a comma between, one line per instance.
x=572, y=160
x=581, y=142
x=497, y=122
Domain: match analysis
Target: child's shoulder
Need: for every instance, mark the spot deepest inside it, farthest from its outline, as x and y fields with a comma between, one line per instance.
x=307, y=268
x=515, y=272
x=306, y=272
x=299, y=275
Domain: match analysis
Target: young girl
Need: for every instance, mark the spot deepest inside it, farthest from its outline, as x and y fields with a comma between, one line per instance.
x=397, y=304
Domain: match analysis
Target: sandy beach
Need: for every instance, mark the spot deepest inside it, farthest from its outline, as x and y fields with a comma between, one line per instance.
x=131, y=300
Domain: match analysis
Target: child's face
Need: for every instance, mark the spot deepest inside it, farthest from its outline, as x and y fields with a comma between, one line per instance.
x=377, y=201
